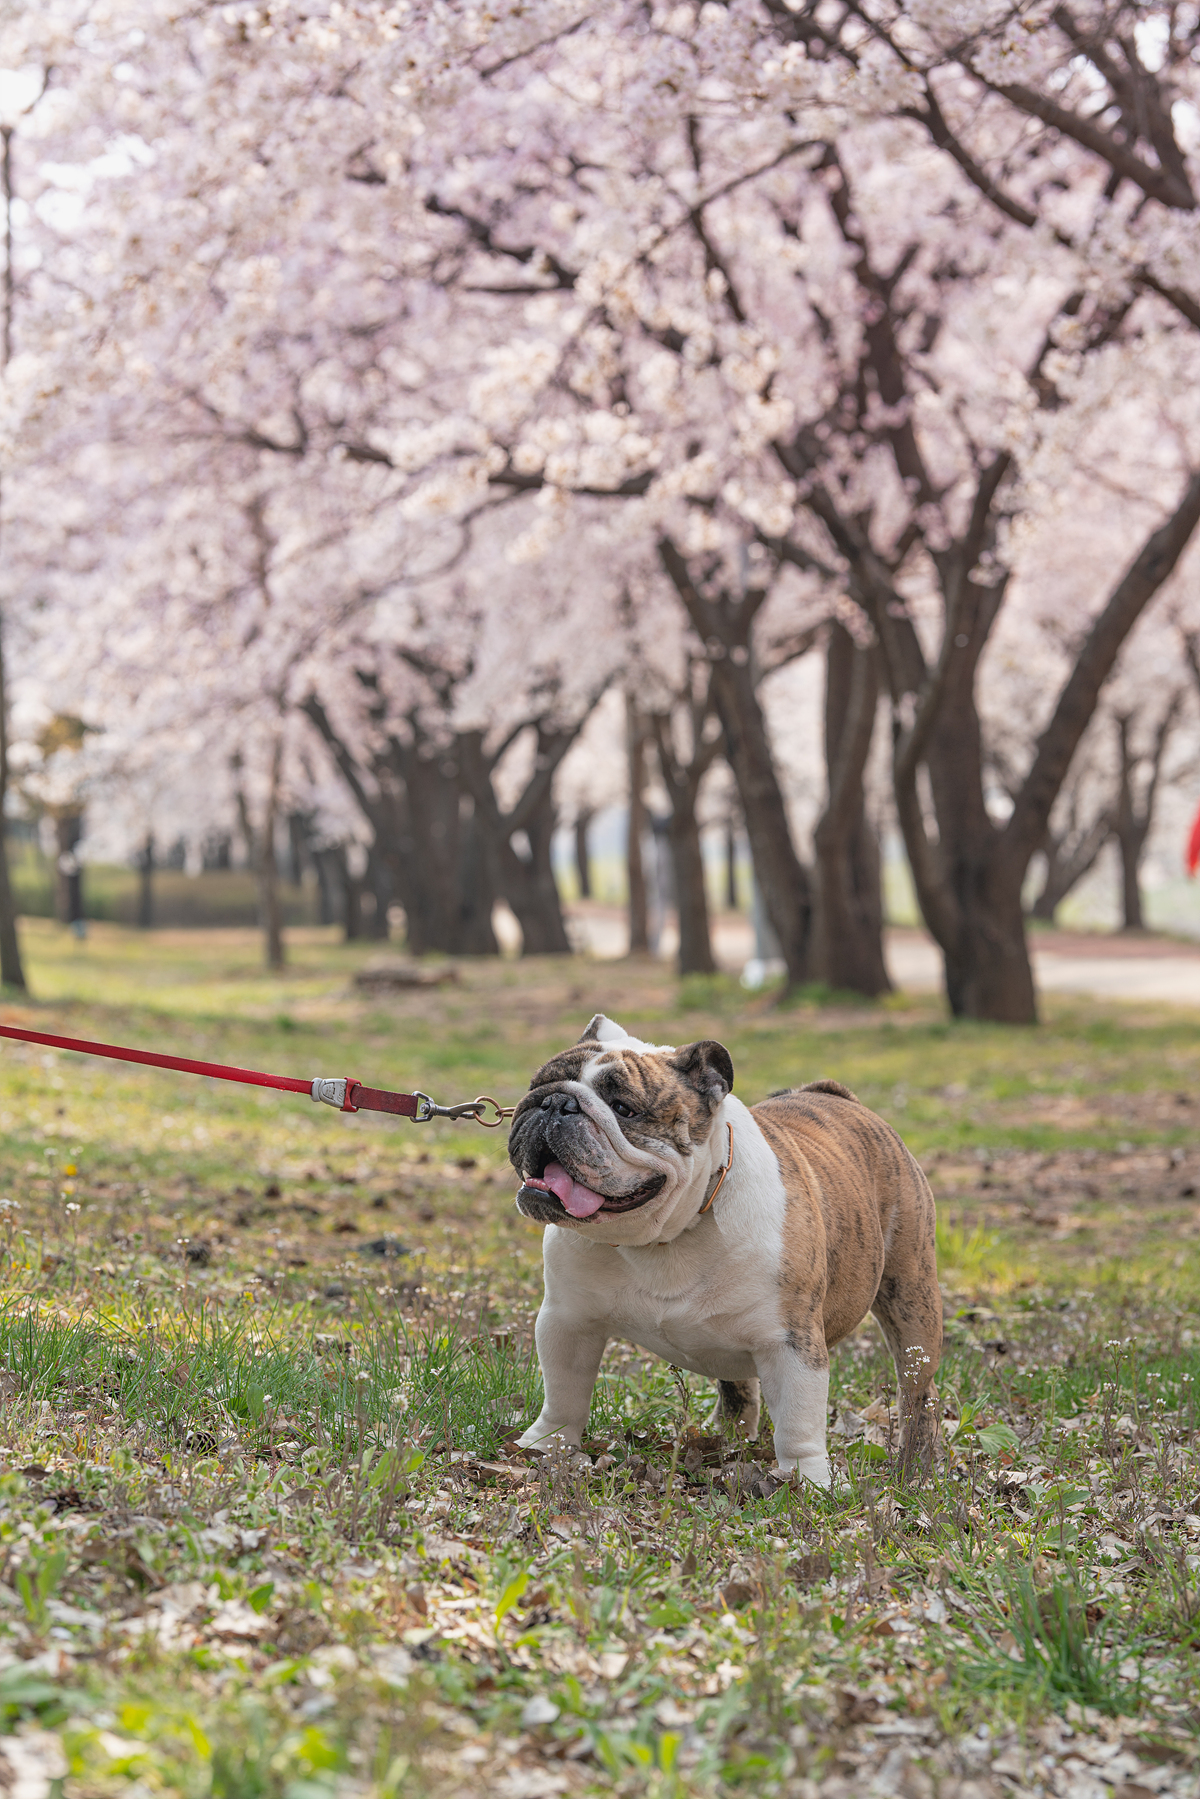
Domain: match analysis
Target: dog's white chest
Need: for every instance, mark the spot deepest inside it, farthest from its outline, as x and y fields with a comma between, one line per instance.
x=708, y=1347
x=689, y=1302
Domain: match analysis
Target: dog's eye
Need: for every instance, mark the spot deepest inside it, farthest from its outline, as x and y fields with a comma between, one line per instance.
x=622, y=1110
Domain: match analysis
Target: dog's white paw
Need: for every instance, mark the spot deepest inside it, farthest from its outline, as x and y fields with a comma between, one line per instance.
x=544, y=1438
x=813, y=1468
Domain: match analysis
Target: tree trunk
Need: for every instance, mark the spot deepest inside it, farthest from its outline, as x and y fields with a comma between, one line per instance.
x=1133, y=820
x=268, y=871
x=635, y=750
x=146, y=883
x=272, y=910
x=731, y=888
x=68, y=875
x=326, y=905
x=691, y=899
x=525, y=880
x=375, y=882
x=529, y=886
x=260, y=846
x=782, y=878
x=1045, y=906
x=969, y=878
x=333, y=888
x=410, y=797
x=12, y=973
x=683, y=780
x=1069, y=856
x=427, y=836
x=447, y=887
x=1131, y=891
x=477, y=937
x=583, y=824
x=988, y=972
x=847, y=950
x=352, y=919
x=430, y=848
x=299, y=832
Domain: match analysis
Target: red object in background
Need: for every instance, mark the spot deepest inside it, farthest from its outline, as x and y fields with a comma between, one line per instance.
x=1193, y=848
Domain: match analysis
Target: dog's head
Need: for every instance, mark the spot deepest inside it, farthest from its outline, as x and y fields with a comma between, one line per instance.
x=615, y=1137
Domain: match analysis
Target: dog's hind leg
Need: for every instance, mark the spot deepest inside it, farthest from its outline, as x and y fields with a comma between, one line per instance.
x=736, y=1410
x=908, y=1306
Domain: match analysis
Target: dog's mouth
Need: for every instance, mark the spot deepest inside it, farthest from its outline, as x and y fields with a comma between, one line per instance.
x=554, y=1182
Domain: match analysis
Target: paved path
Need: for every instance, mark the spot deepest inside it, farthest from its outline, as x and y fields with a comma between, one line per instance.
x=1160, y=969
x=1147, y=968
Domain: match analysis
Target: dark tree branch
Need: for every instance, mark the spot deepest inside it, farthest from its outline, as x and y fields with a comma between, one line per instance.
x=1077, y=702
x=1157, y=184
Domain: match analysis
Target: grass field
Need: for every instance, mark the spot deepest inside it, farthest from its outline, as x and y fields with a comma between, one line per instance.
x=227, y=896
x=262, y=1527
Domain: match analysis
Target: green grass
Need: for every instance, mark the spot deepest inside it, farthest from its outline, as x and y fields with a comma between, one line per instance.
x=112, y=893
x=262, y=1531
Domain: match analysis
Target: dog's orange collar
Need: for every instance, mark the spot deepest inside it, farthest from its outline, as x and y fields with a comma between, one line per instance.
x=720, y=1178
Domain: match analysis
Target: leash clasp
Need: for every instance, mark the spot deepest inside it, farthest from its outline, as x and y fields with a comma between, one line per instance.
x=467, y=1108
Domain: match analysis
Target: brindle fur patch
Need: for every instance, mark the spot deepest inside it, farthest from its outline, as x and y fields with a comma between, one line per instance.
x=568, y=1065
x=665, y=1110
x=858, y=1237
x=737, y=1396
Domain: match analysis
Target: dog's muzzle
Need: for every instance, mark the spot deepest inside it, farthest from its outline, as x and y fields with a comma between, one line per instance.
x=551, y=1129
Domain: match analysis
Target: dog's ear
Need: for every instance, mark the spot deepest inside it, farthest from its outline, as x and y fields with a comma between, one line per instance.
x=606, y=1030
x=708, y=1067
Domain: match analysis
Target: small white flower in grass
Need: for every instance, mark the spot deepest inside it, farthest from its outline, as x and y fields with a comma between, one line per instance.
x=539, y=1710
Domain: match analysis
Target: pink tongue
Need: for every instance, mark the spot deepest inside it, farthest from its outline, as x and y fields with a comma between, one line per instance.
x=579, y=1201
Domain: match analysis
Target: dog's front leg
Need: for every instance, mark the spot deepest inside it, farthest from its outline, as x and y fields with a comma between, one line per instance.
x=797, y=1392
x=569, y=1354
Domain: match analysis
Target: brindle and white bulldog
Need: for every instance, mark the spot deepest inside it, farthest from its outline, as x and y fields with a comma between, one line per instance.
x=738, y=1242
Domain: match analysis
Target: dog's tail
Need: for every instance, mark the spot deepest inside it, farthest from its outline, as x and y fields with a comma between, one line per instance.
x=819, y=1087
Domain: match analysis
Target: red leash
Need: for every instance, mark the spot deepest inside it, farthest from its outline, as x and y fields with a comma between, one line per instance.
x=347, y=1095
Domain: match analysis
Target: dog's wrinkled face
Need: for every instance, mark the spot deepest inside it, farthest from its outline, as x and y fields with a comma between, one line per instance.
x=613, y=1137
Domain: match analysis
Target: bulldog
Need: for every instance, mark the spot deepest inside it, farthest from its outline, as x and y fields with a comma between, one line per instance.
x=738, y=1242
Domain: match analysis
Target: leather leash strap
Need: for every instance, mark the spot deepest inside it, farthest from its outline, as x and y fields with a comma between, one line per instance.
x=341, y=1092
x=720, y=1178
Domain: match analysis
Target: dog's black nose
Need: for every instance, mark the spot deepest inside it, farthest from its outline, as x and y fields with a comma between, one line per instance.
x=559, y=1102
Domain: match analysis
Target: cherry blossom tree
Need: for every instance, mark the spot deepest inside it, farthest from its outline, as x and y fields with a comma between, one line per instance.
x=20, y=90
x=907, y=478
x=450, y=718
x=763, y=292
